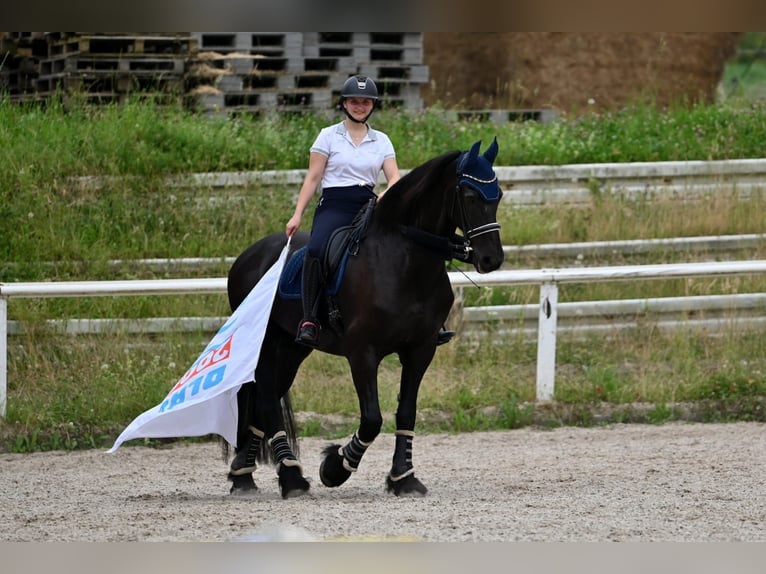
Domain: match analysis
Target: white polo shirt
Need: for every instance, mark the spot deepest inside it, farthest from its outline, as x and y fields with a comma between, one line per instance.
x=348, y=164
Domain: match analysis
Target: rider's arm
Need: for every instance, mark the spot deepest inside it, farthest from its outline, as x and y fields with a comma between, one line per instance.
x=317, y=163
x=391, y=171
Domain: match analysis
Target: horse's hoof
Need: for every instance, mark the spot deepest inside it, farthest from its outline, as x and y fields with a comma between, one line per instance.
x=242, y=484
x=291, y=482
x=331, y=471
x=409, y=486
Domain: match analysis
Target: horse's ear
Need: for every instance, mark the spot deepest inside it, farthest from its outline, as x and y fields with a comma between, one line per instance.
x=473, y=153
x=491, y=154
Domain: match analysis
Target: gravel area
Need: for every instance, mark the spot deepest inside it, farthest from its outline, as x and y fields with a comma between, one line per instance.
x=674, y=482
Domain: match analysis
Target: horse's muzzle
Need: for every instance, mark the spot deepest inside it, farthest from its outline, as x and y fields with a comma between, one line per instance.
x=488, y=255
x=488, y=263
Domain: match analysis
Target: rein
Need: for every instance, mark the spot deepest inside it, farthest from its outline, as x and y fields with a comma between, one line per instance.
x=456, y=247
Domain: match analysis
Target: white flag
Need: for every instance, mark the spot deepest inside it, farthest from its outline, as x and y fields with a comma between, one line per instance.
x=204, y=400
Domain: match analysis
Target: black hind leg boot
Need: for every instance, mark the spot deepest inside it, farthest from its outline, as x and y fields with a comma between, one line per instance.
x=444, y=336
x=308, y=330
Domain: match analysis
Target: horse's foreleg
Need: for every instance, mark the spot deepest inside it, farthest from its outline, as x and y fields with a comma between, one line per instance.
x=340, y=461
x=401, y=479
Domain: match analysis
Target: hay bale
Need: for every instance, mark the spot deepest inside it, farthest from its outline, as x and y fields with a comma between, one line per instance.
x=510, y=70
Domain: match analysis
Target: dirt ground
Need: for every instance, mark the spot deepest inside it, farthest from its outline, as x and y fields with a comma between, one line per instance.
x=675, y=482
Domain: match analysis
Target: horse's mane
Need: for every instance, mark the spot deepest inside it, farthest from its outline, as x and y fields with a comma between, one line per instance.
x=406, y=194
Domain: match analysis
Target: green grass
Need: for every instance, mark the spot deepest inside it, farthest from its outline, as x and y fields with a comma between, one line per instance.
x=73, y=392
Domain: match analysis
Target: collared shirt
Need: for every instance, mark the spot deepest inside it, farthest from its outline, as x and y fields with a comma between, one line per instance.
x=349, y=164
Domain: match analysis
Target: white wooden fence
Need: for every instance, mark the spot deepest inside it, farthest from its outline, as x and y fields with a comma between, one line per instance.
x=578, y=249
x=524, y=185
x=534, y=184
x=548, y=279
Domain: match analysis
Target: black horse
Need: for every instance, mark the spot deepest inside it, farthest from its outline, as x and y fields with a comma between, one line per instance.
x=394, y=297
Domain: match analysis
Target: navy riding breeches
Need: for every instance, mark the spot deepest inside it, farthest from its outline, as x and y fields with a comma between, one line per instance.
x=337, y=207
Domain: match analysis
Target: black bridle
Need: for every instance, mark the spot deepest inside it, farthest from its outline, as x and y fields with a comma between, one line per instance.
x=469, y=231
x=458, y=246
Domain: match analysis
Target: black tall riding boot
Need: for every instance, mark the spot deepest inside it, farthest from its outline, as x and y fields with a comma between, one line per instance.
x=312, y=286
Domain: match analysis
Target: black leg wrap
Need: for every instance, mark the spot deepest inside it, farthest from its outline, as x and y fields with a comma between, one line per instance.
x=289, y=470
x=353, y=452
x=245, y=459
x=401, y=480
x=402, y=464
x=280, y=449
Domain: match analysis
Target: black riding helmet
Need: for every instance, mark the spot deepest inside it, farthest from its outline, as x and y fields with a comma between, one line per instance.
x=359, y=87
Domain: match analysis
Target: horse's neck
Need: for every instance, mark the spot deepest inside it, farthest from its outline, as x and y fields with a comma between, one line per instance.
x=425, y=202
x=439, y=224
x=421, y=225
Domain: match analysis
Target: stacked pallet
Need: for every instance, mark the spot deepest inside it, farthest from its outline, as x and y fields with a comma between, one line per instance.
x=393, y=60
x=20, y=53
x=253, y=72
x=224, y=73
x=106, y=68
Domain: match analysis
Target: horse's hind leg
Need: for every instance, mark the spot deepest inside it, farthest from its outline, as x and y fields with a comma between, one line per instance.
x=401, y=479
x=280, y=359
x=249, y=439
x=292, y=483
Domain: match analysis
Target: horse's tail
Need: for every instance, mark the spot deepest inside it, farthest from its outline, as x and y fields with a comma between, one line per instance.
x=288, y=417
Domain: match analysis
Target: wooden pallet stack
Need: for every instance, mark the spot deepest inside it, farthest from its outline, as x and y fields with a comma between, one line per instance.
x=393, y=59
x=254, y=72
x=106, y=68
x=223, y=73
x=20, y=54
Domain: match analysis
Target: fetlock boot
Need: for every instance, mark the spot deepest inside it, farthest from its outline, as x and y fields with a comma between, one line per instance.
x=312, y=286
x=244, y=461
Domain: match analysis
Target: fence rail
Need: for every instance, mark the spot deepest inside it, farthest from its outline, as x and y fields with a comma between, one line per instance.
x=581, y=317
x=534, y=184
x=548, y=279
x=624, y=247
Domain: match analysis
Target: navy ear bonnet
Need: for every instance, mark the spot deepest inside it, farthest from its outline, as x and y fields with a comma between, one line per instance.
x=476, y=171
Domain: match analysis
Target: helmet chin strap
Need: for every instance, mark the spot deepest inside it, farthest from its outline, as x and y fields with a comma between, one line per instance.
x=353, y=119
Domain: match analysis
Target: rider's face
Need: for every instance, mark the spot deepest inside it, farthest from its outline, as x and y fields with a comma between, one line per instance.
x=358, y=106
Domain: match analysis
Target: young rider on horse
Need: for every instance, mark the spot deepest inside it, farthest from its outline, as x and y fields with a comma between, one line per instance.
x=345, y=159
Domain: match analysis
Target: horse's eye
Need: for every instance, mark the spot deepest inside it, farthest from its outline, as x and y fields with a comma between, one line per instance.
x=470, y=193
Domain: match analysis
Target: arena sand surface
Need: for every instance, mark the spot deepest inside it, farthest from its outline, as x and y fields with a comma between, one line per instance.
x=674, y=482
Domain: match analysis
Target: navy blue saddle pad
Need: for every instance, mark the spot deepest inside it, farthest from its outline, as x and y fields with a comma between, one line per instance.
x=290, y=281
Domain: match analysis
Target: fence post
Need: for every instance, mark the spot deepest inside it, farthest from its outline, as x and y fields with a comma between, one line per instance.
x=3, y=355
x=546, y=341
